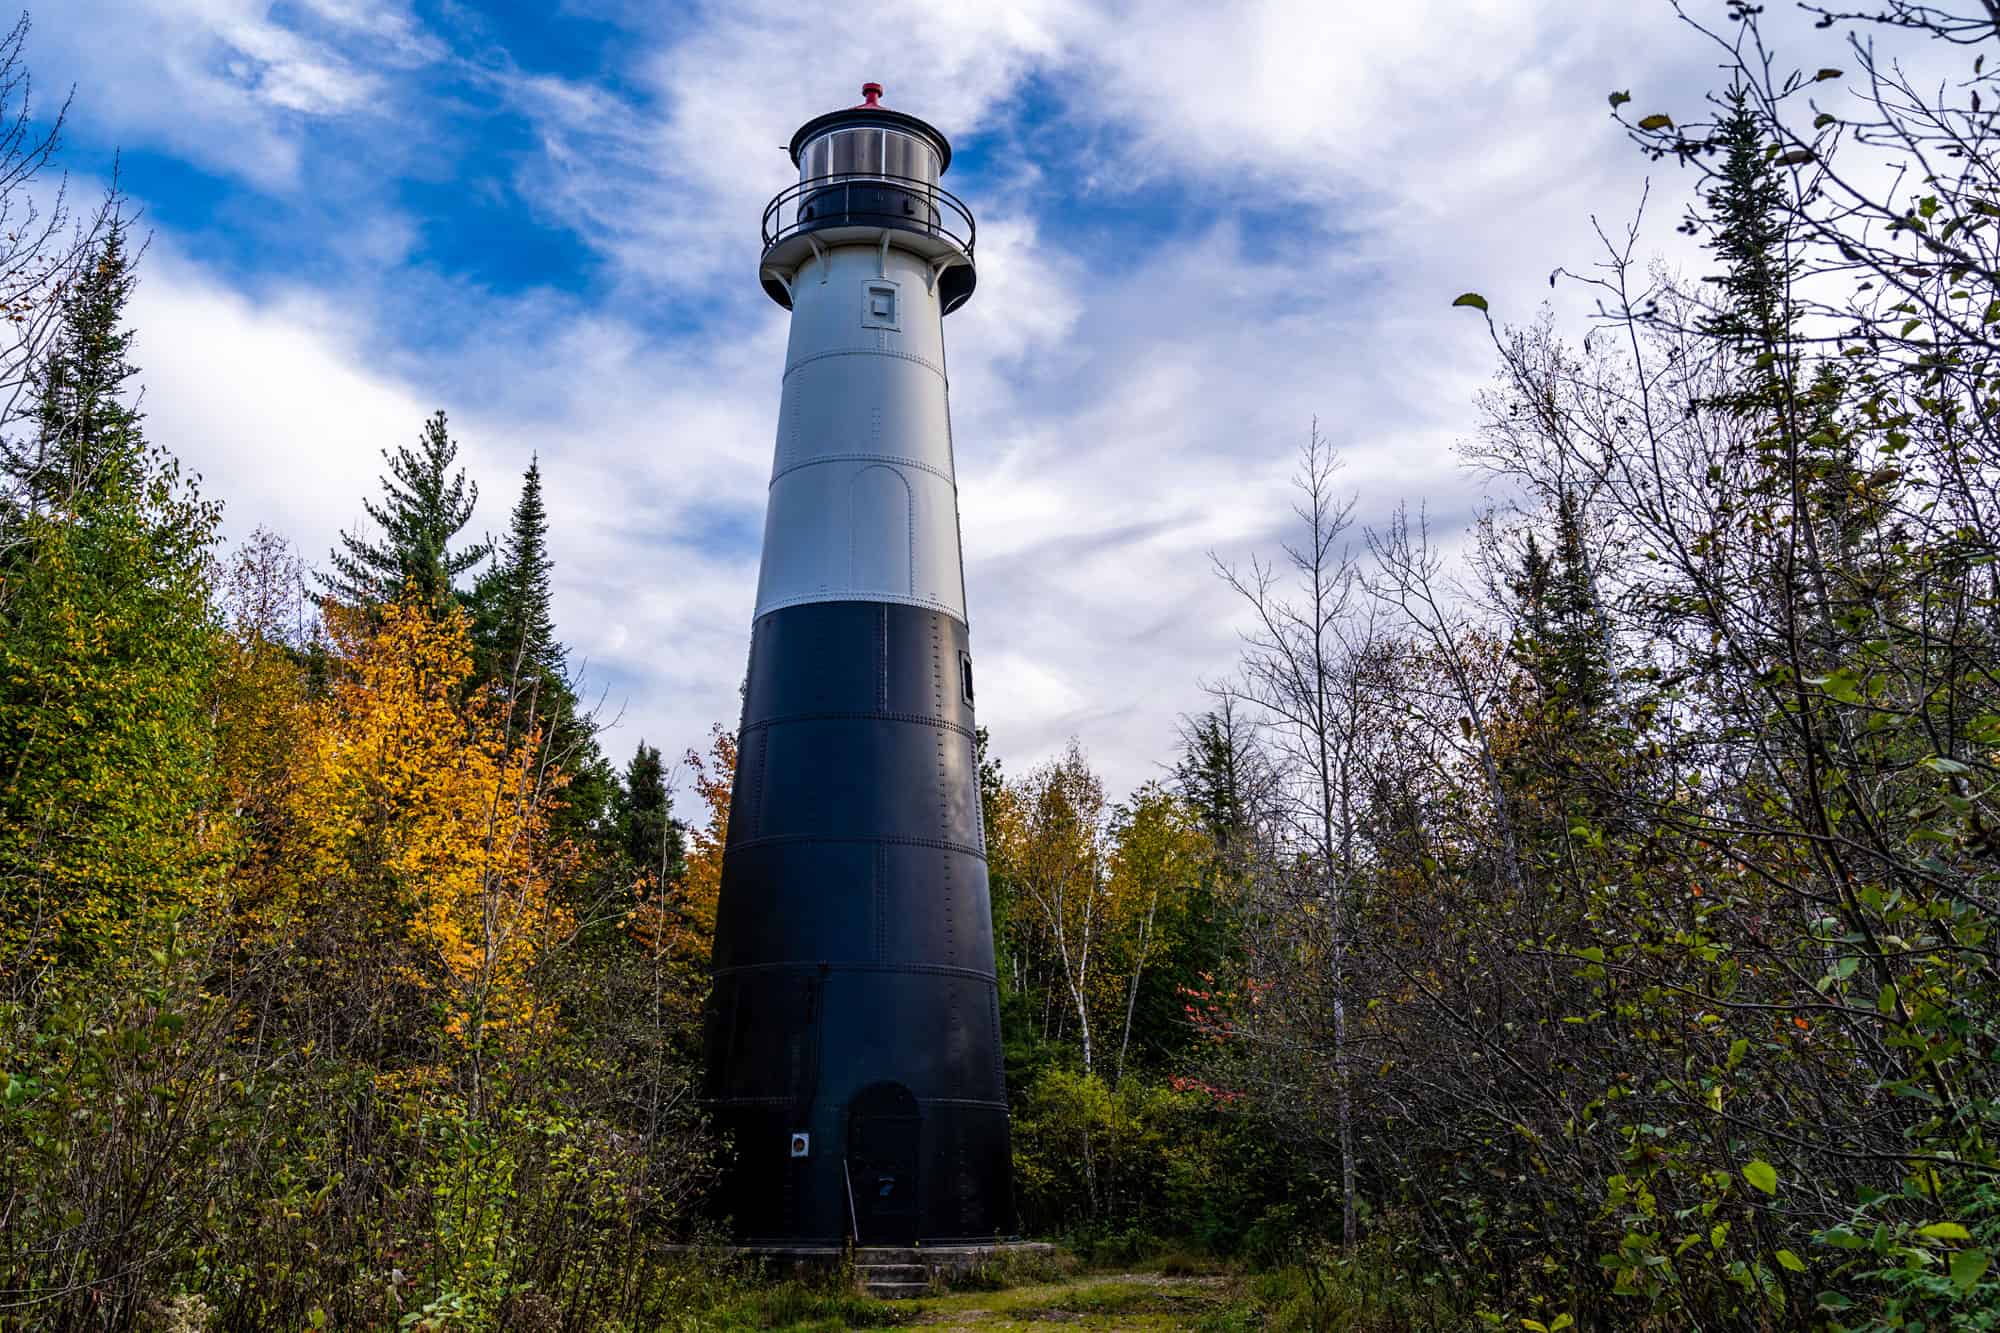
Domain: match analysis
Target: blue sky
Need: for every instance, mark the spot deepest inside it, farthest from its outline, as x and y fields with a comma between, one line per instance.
x=1201, y=226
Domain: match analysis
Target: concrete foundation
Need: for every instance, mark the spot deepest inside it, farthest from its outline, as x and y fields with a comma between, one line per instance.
x=887, y=1272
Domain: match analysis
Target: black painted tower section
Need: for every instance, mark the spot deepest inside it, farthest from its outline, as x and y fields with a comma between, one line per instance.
x=855, y=1000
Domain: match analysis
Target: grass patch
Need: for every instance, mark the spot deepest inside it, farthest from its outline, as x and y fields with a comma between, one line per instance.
x=804, y=1307
x=1173, y=1288
x=1123, y=1301
x=1180, y=1261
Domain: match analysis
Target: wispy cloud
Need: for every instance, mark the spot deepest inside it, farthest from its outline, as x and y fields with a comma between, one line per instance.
x=1199, y=228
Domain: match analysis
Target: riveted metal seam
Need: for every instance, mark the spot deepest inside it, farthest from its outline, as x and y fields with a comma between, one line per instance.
x=948, y=1103
x=923, y=361
x=914, y=719
x=914, y=969
x=893, y=839
x=887, y=460
x=858, y=595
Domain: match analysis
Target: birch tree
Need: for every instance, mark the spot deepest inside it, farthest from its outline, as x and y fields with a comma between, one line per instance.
x=1296, y=679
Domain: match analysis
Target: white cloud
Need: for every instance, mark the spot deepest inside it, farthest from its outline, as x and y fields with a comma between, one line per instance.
x=227, y=84
x=272, y=402
x=1339, y=173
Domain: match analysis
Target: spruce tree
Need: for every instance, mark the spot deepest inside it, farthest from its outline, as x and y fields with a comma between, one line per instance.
x=1531, y=588
x=648, y=835
x=1210, y=776
x=108, y=649
x=423, y=507
x=1748, y=218
x=1802, y=482
x=513, y=616
x=1560, y=635
x=517, y=653
x=86, y=440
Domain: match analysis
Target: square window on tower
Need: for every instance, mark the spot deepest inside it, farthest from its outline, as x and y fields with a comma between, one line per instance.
x=879, y=310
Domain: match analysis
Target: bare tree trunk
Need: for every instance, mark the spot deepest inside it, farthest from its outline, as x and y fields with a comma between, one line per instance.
x=1294, y=665
x=1132, y=991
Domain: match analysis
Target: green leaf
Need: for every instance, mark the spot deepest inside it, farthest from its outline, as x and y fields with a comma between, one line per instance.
x=1534, y=1326
x=1797, y=157
x=1968, y=1266
x=1937, y=763
x=1763, y=1175
x=1945, y=1231
x=1619, y=99
x=1839, y=685
x=1657, y=122
x=1473, y=299
x=1562, y=1322
x=1786, y=1259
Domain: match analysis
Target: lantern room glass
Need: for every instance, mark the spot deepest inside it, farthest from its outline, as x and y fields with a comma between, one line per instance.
x=869, y=150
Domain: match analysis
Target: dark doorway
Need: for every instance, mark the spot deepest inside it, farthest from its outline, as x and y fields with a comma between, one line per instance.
x=884, y=1129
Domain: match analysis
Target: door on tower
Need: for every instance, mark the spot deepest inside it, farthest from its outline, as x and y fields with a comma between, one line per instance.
x=884, y=1128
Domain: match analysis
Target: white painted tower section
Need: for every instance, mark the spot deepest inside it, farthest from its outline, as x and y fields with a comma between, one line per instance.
x=864, y=502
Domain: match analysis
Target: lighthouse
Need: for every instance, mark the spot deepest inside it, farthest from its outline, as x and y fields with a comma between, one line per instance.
x=854, y=1031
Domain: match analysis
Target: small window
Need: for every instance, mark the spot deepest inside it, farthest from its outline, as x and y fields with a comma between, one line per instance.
x=965, y=675
x=879, y=306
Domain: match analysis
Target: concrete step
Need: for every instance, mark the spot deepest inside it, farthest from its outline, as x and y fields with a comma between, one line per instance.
x=893, y=1272
x=888, y=1254
x=897, y=1291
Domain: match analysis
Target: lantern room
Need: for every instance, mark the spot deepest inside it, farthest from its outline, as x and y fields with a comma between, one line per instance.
x=868, y=175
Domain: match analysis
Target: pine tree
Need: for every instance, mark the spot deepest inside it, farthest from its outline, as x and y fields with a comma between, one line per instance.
x=1212, y=775
x=648, y=835
x=1807, y=515
x=86, y=439
x=108, y=653
x=518, y=655
x=1748, y=216
x=1560, y=637
x=514, y=620
x=1531, y=588
x=424, y=505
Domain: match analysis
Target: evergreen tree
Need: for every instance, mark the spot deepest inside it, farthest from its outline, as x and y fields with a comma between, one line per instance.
x=1560, y=637
x=86, y=438
x=517, y=653
x=1531, y=586
x=424, y=505
x=514, y=620
x=1576, y=618
x=1748, y=217
x=648, y=834
x=108, y=650
x=1213, y=775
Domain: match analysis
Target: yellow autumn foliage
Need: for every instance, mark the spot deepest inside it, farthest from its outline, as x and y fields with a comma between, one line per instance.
x=408, y=797
x=675, y=922
x=713, y=779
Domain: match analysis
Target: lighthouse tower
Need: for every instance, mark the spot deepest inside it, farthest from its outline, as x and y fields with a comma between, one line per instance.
x=854, y=1038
